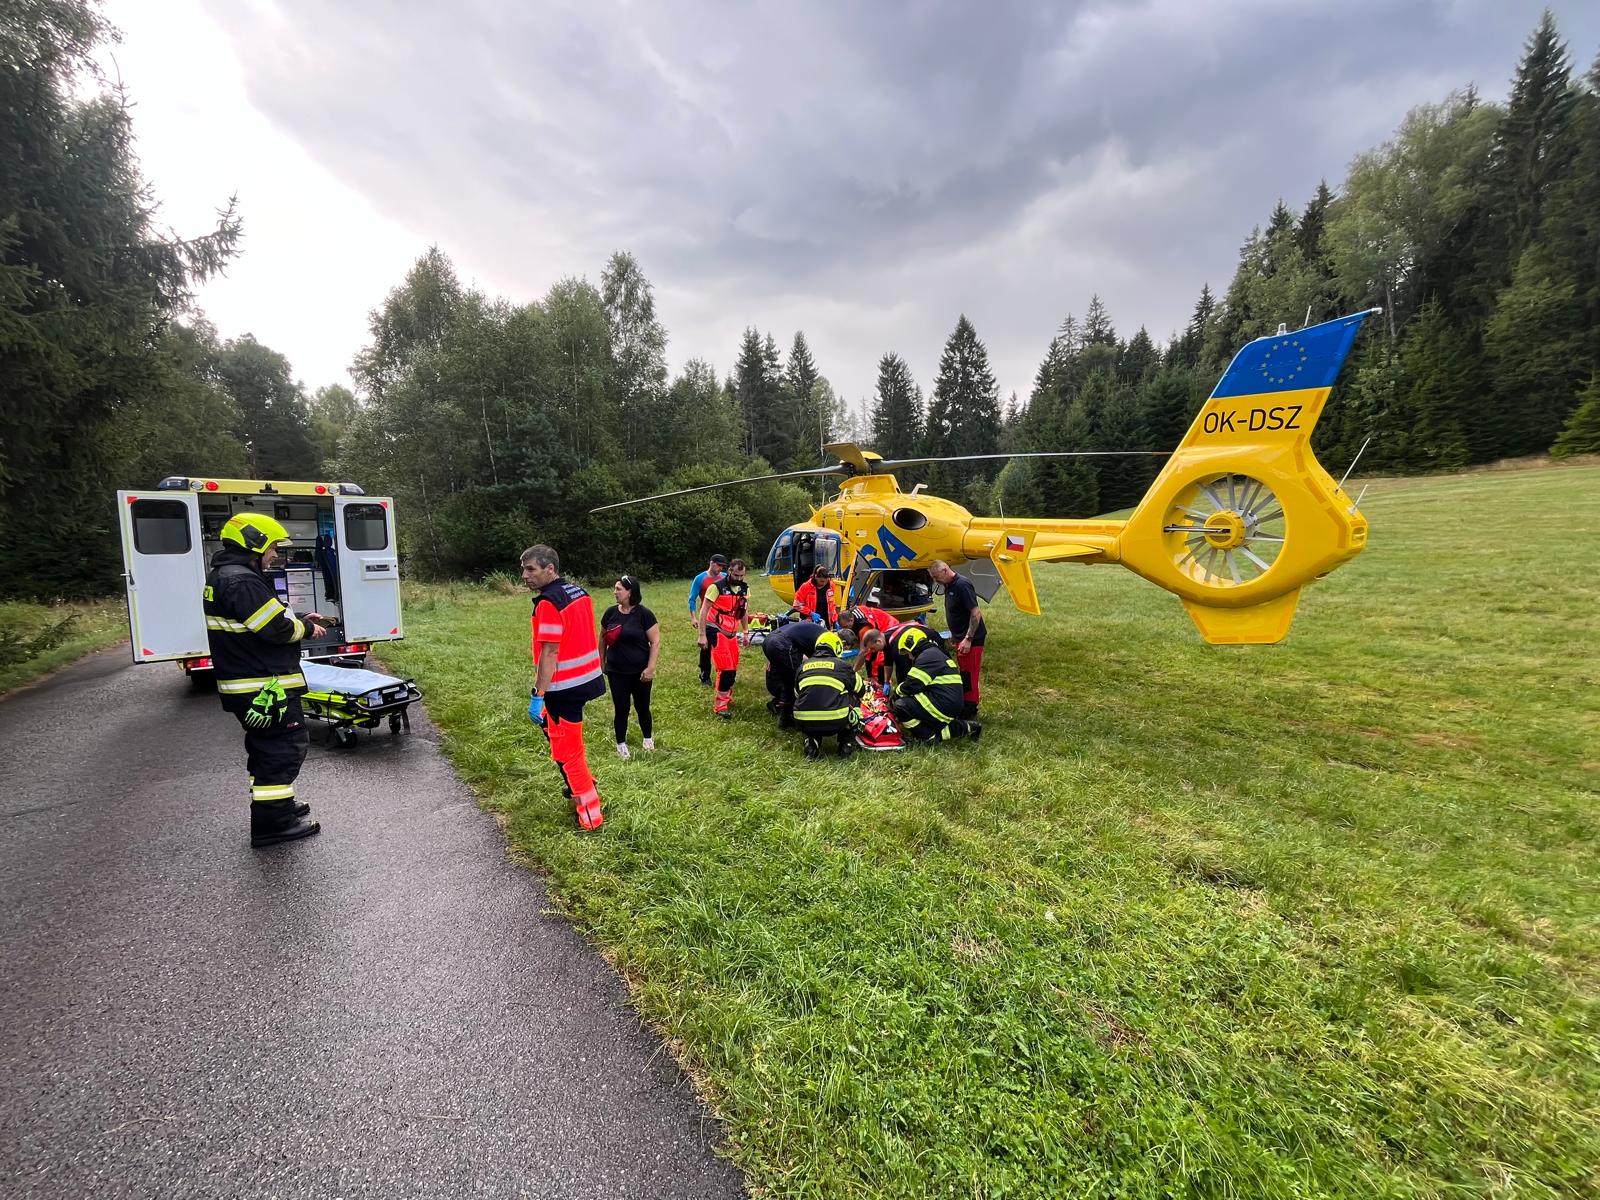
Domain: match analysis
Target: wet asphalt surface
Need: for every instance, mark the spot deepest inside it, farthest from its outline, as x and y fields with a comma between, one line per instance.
x=386, y=1009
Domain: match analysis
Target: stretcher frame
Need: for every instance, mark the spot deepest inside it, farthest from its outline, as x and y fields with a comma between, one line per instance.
x=347, y=711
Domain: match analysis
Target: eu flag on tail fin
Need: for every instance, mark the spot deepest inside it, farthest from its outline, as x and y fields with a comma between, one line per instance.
x=1292, y=362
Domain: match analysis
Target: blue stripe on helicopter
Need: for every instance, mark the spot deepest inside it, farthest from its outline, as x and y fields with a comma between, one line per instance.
x=1291, y=362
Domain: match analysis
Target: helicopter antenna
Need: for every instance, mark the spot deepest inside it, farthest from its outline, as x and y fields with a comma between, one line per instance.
x=1355, y=460
x=706, y=487
x=1357, y=504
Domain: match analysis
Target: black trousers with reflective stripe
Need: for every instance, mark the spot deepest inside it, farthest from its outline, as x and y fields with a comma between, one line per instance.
x=273, y=756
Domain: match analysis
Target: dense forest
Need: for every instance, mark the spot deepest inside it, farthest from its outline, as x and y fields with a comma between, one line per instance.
x=495, y=424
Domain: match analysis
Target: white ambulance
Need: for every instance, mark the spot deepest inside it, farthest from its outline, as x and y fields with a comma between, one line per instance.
x=341, y=562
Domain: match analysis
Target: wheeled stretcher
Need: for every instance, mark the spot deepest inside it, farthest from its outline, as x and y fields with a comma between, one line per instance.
x=350, y=699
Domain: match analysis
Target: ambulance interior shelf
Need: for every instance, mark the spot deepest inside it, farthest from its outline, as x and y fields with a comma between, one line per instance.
x=307, y=579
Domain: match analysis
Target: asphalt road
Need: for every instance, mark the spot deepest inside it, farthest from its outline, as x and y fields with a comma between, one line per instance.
x=387, y=1009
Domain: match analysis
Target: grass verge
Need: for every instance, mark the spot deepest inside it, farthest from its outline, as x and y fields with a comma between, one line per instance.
x=1310, y=920
x=35, y=639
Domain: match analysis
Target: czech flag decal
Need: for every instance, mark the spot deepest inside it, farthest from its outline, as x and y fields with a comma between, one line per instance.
x=1013, y=542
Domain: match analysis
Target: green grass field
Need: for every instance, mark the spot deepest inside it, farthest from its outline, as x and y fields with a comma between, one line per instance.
x=81, y=627
x=1310, y=920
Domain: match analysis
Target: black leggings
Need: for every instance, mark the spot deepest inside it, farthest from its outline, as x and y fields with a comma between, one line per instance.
x=626, y=689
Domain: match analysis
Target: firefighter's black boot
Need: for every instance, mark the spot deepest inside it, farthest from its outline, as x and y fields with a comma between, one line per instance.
x=973, y=729
x=813, y=748
x=273, y=821
x=785, y=717
x=847, y=745
x=301, y=808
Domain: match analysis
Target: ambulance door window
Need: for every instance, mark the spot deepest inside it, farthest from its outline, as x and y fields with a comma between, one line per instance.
x=365, y=527
x=160, y=527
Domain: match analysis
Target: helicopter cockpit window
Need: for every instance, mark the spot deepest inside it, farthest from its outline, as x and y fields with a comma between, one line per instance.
x=781, y=560
x=909, y=518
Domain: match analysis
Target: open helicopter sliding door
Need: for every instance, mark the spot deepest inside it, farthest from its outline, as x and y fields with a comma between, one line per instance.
x=805, y=555
x=369, y=569
x=862, y=580
x=985, y=579
x=164, y=566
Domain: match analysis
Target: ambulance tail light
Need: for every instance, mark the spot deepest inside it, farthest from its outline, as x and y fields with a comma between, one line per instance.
x=197, y=664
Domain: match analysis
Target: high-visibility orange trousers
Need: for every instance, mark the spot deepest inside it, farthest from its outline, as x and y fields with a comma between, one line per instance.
x=567, y=749
x=725, y=658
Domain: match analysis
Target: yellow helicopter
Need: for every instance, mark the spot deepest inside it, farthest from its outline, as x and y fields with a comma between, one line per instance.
x=1240, y=518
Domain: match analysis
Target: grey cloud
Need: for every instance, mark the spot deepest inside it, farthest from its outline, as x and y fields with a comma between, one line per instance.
x=771, y=156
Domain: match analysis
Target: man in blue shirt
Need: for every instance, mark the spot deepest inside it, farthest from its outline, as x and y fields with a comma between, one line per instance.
x=713, y=572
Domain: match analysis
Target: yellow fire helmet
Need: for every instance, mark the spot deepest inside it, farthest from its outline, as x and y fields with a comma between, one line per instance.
x=253, y=532
x=830, y=643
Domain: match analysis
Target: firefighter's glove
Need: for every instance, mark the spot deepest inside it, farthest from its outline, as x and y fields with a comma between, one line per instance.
x=268, y=707
x=536, y=709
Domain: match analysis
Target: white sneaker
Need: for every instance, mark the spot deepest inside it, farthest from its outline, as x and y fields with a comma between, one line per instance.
x=649, y=743
x=622, y=751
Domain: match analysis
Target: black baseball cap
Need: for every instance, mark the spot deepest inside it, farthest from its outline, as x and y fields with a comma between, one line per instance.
x=720, y=559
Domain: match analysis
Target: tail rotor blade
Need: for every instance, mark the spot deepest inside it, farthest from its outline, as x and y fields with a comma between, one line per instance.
x=889, y=464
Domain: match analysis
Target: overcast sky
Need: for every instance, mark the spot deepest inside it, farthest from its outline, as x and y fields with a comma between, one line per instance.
x=865, y=172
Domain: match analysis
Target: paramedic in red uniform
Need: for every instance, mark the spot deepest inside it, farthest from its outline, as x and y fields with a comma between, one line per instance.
x=814, y=598
x=968, y=630
x=567, y=676
x=724, y=608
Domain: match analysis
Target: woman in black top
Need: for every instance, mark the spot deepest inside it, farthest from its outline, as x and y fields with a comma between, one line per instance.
x=630, y=641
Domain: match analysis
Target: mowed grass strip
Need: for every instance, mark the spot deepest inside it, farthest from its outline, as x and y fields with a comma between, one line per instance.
x=80, y=627
x=1315, y=919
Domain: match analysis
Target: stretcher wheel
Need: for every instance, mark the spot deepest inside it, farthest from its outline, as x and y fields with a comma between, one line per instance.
x=344, y=737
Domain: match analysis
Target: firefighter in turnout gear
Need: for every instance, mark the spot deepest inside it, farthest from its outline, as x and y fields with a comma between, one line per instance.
x=724, y=608
x=828, y=695
x=928, y=695
x=566, y=658
x=255, y=652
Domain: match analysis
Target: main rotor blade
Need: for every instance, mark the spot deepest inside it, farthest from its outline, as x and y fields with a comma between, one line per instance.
x=886, y=464
x=836, y=469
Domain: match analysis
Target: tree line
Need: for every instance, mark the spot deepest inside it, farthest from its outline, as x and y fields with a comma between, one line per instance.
x=495, y=424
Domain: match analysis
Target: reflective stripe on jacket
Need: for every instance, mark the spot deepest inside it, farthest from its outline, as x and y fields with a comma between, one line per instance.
x=827, y=690
x=253, y=638
x=934, y=681
x=564, y=615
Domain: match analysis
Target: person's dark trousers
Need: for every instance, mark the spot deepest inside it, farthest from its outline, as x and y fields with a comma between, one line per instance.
x=273, y=757
x=629, y=690
x=916, y=722
x=782, y=667
x=705, y=653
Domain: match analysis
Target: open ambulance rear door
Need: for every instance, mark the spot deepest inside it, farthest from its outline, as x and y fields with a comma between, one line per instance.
x=369, y=568
x=164, y=566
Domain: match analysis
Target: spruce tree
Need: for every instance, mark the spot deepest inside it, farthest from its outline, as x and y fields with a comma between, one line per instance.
x=1582, y=432
x=803, y=397
x=1529, y=146
x=1430, y=373
x=1534, y=345
x=896, y=421
x=964, y=414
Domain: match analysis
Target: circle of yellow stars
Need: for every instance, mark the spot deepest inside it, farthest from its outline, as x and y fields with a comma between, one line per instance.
x=1290, y=364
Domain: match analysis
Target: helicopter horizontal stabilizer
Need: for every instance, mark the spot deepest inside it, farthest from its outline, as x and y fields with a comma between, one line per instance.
x=1011, y=560
x=1258, y=625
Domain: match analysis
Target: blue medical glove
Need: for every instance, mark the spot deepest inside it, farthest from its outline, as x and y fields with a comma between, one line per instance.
x=536, y=709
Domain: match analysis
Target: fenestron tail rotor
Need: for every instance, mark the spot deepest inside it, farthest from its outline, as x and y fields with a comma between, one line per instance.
x=1226, y=530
